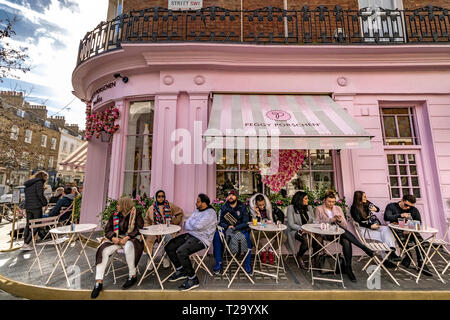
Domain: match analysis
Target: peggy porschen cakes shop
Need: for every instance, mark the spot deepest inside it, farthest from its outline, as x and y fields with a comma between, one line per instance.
x=194, y=118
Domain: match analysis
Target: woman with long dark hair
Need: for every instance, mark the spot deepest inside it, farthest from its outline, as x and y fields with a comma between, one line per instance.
x=363, y=212
x=298, y=214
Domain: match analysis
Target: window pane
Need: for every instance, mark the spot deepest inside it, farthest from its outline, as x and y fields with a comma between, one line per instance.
x=390, y=129
x=415, y=181
x=411, y=158
x=416, y=192
x=302, y=181
x=405, y=181
x=392, y=170
x=141, y=114
x=405, y=191
x=413, y=170
x=250, y=182
x=226, y=181
x=394, y=181
x=395, y=192
x=139, y=153
x=321, y=160
x=322, y=179
x=403, y=171
x=391, y=158
x=395, y=110
x=404, y=127
x=401, y=158
x=137, y=184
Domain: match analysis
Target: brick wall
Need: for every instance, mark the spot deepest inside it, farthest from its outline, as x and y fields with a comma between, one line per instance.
x=292, y=4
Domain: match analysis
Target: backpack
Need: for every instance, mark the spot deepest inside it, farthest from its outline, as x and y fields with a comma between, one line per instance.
x=236, y=242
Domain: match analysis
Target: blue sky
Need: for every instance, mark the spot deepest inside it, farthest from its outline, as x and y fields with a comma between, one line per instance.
x=52, y=30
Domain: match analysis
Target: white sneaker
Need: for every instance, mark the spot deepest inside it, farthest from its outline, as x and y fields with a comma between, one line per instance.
x=166, y=263
x=26, y=247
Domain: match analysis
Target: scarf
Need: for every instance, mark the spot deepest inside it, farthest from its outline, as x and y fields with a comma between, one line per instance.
x=158, y=218
x=130, y=224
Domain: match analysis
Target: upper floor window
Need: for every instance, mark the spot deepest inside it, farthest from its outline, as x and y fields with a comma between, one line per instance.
x=14, y=132
x=399, y=127
x=53, y=144
x=28, y=136
x=385, y=4
x=64, y=149
x=71, y=147
x=51, y=162
x=44, y=141
x=41, y=162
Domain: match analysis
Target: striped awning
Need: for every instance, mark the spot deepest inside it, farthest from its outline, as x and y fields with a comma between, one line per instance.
x=282, y=122
x=77, y=159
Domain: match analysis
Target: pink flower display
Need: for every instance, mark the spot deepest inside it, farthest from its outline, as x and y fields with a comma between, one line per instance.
x=101, y=121
x=290, y=162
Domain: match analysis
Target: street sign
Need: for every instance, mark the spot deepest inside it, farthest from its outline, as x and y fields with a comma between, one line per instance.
x=185, y=4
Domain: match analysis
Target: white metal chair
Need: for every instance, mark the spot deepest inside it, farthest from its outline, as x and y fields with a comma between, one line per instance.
x=234, y=259
x=51, y=222
x=437, y=244
x=198, y=259
x=376, y=246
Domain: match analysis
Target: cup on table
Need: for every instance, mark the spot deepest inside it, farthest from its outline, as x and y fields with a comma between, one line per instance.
x=255, y=221
x=401, y=223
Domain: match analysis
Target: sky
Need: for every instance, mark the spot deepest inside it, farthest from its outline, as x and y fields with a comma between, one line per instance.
x=52, y=30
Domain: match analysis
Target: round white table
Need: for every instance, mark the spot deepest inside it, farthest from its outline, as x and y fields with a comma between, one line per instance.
x=264, y=228
x=314, y=229
x=157, y=230
x=74, y=234
x=405, y=251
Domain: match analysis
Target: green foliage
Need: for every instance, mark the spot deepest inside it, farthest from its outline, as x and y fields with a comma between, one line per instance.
x=77, y=207
x=317, y=196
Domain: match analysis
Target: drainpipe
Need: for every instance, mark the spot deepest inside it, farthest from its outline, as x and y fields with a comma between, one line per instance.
x=285, y=20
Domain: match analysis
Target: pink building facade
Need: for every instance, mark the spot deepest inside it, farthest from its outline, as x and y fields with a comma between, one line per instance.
x=399, y=94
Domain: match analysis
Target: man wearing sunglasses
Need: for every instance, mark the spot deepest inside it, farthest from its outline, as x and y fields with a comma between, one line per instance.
x=406, y=209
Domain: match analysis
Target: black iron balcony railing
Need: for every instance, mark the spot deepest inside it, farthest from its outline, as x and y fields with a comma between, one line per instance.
x=270, y=26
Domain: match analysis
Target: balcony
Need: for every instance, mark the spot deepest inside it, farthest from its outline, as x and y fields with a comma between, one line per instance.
x=269, y=25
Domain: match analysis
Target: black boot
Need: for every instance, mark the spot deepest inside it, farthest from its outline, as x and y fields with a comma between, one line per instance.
x=98, y=287
x=394, y=257
x=350, y=275
x=130, y=281
x=425, y=270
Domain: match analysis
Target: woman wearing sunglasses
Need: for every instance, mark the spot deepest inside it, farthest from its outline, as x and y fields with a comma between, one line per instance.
x=158, y=213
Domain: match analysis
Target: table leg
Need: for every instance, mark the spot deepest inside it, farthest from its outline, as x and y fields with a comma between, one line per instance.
x=83, y=251
x=426, y=258
x=54, y=237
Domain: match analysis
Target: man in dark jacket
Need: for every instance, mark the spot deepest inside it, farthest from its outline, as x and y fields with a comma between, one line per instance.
x=65, y=201
x=233, y=215
x=34, y=202
x=406, y=209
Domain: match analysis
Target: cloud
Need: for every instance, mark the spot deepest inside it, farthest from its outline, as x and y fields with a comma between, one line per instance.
x=52, y=30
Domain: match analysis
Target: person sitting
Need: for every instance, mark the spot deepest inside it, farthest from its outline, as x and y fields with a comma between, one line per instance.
x=200, y=228
x=328, y=212
x=56, y=196
x=406, y=209
x=158, y=213
x=66, y=200
x=263, y=210
x=233, y=216
x=362, y=211
x=121, y=231
x=298, y=214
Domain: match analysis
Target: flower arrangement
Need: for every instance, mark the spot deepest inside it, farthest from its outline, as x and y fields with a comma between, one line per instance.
x=102, y=121
x=289, y=163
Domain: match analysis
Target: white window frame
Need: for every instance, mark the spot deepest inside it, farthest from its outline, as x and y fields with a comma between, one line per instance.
x=53, y=144
x=44, y=141
x=28, y=136
x=64, y=149
x=51, y=161
x=72, y=148
x=15, y=132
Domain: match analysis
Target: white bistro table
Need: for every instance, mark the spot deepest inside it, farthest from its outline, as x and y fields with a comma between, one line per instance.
x=406, y=251
x=314, y=230
x=74, y=234
x=263, y=228
x=157, y=230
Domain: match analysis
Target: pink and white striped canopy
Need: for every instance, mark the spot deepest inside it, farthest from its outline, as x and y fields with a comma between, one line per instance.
x=282, y=122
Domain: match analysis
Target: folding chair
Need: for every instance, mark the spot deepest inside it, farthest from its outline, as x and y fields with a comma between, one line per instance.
x=290, y=254
x=376, y=246
x=112, y=268
x=437, y=244
x=50, y=222
x=234, y=259
x=198, y=260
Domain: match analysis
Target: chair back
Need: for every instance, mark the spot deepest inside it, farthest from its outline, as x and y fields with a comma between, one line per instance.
x=359, y=232
x=62, y=212
x=43, y=222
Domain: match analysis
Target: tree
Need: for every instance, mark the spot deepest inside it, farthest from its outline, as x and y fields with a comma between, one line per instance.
x=11, y=58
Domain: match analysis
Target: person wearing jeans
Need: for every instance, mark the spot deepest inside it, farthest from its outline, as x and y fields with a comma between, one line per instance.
x=200, y=228
x=233, y=215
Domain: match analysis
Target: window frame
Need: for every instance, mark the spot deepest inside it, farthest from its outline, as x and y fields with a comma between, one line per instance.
x=412, y=115
x=15, y=131
x=53, y=145
x=44, y=141
x=28, y=137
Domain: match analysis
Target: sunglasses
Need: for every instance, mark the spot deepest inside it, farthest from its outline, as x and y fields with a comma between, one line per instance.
x=161, y=197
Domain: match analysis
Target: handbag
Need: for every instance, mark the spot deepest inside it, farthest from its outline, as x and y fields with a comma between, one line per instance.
x=373, y=219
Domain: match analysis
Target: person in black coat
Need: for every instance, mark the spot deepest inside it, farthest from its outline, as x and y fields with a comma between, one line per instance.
x=34, y=202
x=66, y=200
x=57, y=196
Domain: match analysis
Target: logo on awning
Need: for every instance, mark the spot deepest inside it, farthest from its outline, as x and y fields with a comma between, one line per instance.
x=278, y=115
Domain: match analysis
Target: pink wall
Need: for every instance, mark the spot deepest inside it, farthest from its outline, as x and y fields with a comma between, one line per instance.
x=360, y=79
